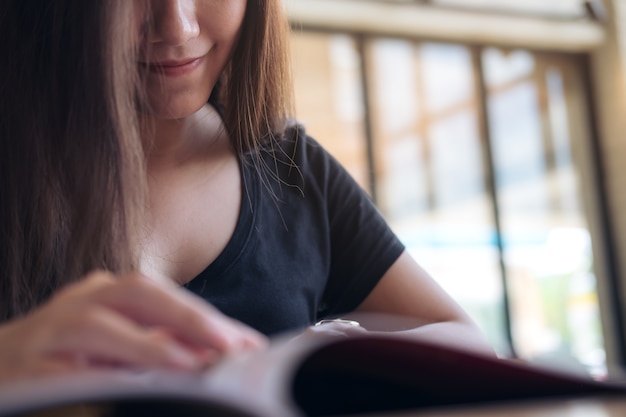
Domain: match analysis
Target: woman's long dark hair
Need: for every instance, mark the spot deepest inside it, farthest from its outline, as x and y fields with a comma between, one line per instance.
x=256, y=93
x=72, y=167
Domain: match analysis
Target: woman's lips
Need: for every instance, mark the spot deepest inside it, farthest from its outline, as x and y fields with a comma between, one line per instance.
x=174, y=68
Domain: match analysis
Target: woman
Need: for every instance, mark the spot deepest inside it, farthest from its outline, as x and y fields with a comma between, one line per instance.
x=146, y=147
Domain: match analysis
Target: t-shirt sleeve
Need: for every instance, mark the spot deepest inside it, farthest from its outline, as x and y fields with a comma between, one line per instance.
x=362, y=245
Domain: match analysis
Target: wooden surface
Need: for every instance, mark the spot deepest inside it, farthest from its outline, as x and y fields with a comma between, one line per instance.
x=583, y=407
x=415, y=19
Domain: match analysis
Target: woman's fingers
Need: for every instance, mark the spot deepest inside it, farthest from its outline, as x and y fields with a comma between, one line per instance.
x=187, y=317
x=135, y=321
x=101, y=335
x=129, y=321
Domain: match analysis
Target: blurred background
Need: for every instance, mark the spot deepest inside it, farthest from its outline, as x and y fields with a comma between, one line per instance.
x=491, y=134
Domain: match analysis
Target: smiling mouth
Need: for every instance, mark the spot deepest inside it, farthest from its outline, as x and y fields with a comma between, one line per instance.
x=174, y=68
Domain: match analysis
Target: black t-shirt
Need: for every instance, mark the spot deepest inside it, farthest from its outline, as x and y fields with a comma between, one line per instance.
x=309, y=243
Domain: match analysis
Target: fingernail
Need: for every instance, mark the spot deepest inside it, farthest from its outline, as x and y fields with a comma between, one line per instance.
x=182, y=358
x=207, y=357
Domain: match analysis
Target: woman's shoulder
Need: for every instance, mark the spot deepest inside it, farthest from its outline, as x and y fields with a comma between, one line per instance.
x=295, y=147
x=295, y=160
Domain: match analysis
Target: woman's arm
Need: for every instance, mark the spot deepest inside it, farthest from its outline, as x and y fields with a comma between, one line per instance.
x=408, y=292
x=128, y=321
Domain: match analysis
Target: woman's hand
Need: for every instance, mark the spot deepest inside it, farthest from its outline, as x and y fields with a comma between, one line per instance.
x=128, y=321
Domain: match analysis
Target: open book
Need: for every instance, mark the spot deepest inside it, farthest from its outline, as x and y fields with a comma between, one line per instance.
x=305, y=376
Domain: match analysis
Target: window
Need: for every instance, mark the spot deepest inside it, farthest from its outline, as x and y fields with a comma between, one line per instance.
x=471, y=154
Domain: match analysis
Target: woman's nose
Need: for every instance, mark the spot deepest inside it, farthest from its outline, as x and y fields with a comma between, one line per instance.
x=174, y=21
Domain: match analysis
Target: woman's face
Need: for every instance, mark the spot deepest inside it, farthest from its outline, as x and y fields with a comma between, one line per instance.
x=185, y=51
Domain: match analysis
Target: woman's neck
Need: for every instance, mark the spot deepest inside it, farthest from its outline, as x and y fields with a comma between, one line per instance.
x=176, y=142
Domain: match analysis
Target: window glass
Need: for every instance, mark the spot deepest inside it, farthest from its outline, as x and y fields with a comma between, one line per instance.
x=429, y=171
x=547, y=245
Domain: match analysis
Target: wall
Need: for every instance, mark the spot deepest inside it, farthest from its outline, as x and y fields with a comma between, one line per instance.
x=608, y=83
